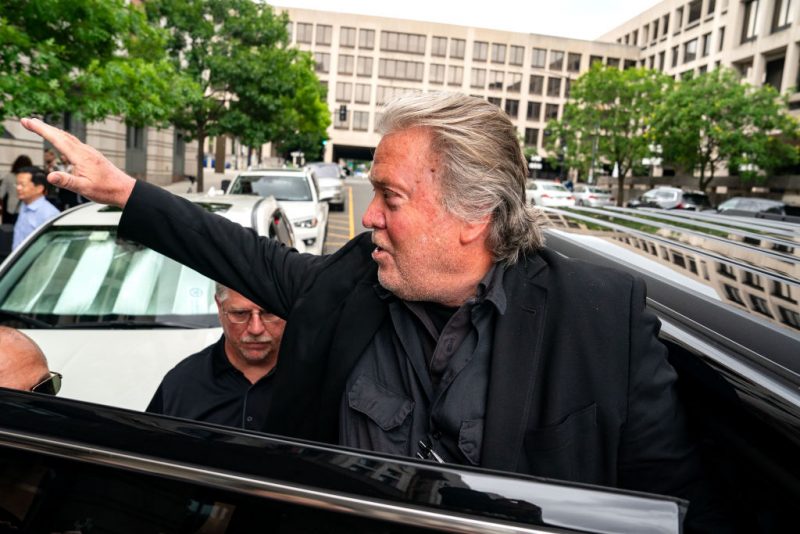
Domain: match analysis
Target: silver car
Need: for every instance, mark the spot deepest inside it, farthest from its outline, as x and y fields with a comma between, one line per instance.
x=592, y=196
x=328, y=177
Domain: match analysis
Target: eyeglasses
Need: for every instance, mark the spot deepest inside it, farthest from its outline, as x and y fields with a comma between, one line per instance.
x=50, y=385
x=243, y=316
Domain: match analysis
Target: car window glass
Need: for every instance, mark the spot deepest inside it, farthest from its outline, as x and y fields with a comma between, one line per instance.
x=666, y=195
x=553, y=187
x=326, y=171
x=281, y=187
x=73, y=274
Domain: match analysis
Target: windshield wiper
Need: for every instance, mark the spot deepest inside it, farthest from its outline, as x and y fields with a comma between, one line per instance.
x=128, y=324
x=26, y=320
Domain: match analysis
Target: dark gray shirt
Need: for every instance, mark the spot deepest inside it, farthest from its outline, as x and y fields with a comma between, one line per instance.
x=419, y=381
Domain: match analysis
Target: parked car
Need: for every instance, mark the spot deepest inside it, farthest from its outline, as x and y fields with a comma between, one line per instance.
x=548, y=193
x=760, y=207
x=112, y=315
x=672, y=198
x=296, y=192
x=592, y=196
x=727, y=294
x=328, y=177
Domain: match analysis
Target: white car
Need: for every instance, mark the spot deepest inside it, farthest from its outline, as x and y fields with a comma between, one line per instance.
x=111, y=315
x=296, y=192
x=592, y=196
x=548, y=193
x=328, y=177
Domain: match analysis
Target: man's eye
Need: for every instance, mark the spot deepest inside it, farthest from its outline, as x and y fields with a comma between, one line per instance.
x=240, y=315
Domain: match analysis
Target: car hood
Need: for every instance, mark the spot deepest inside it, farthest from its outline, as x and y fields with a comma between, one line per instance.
x=119, y=368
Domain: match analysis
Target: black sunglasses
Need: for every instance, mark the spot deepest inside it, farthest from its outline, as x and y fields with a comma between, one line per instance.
x=50, y=385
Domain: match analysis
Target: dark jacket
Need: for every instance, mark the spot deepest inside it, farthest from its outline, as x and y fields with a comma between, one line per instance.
x=580, y=388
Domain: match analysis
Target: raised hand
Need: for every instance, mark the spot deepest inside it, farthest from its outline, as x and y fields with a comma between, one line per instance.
x=93, y=176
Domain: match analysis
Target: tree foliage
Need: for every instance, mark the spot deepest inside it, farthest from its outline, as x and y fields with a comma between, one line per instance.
x=249, y=81
x=714, y=118
x=91, y=57
x=612, y=111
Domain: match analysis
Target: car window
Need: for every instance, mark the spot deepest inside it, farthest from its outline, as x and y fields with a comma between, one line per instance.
x=282, y=187
x=554, y=187
x=666, y=195
x=74, y=275
x=729, y=204
x=697, y=199
x=326, y=171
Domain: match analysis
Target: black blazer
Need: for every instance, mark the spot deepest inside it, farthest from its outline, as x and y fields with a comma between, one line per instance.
x=580, y=386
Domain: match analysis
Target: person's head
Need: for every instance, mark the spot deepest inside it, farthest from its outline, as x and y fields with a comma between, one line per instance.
x=21, y=162
x=461, y=173
x=49, y=156
x=252, y=335
x=23, y=365
x=31, y=184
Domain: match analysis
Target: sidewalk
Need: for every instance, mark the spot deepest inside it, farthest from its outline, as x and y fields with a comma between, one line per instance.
x=210, y=179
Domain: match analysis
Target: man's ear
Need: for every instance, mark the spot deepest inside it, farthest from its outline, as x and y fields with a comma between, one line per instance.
x=475, y=230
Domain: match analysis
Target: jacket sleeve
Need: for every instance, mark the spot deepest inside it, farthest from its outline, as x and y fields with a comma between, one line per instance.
x=262, y=269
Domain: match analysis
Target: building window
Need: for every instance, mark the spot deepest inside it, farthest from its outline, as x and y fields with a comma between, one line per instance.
x=512, y=108
x=553, y=86
x=695, y=11
x=345, y=64
x=480, y=50
x=534, y=112
x=760, y=305
x=630, y=64
x=496, y=100
x=573, y=62
x=665, y=25
x=536, y=84
x=595, y=59
x=661, y=60
x=478, y=79
x=750, y=20
x=531, y=136
x=712, y=5
x=324, y=33
x=516, y=55
x=363, y=91
x=322, y=62
x=366, y=39
x=539, y=58
x=364, y=66
x=396, y=69
x=556, y=60
x=706, y=44
x=612, y=62
x=674, y=56
x=498, y=53
x=361, y=120
x=455, y=75
x=344, y=91
x=655, y=30
x=436, y=73
x=347, y=37
x=514, y=82
x=774, y=73
x=551, y=112
x=651, y=62
x=753, y=280
x=410, y=43
x=439, y=46
x=496, y=80
x=733, y=294
x=782, y=291
x=635, y=38
x=457, y=47
x=645, y=34
x=790, y=317
x=678, y=18
x=304, y=32
x=386, y=94
x=780, y=17
x=721, y=38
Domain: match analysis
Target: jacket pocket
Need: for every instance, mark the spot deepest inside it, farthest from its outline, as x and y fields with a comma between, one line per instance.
x=566, y=449
x=387, y=413
x=470, y=437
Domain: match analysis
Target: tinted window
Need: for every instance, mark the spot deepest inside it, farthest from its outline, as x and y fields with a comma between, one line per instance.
x=697, y=199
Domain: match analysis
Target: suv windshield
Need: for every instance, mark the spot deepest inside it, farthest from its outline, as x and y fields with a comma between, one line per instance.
x=326, y=171
x=282, y=187
x=72, y=277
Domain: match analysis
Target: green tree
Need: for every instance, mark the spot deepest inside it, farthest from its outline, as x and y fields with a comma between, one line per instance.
x=713, y=118
x=237, y=53
x=90, y=57
x=608, y=118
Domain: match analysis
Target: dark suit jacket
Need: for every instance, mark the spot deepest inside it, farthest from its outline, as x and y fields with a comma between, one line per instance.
x=580, y=388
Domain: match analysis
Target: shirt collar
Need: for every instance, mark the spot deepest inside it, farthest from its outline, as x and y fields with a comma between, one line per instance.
x=35, y=205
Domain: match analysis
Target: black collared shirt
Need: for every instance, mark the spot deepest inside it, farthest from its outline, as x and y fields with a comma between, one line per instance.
x=206, y=387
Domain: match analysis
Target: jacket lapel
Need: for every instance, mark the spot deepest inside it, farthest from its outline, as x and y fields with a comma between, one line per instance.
x=515, y=363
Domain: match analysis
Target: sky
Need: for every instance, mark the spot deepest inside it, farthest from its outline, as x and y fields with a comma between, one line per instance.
x=577, y=19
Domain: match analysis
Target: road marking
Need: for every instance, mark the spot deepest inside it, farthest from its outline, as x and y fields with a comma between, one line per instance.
x=350, y=211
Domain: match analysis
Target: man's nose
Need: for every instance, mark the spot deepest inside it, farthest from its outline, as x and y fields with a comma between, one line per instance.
x=373, y=216
x=255, y=325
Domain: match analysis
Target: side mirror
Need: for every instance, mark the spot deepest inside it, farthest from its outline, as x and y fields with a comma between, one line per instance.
x=225, y=185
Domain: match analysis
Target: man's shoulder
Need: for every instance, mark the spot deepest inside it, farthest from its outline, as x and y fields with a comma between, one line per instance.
x=574, y=273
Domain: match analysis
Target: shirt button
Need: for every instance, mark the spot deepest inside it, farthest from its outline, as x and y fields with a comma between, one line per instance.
x=249, y=419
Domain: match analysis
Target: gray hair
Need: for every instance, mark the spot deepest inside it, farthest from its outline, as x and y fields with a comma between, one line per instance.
x=221, y=292
x=483, y=169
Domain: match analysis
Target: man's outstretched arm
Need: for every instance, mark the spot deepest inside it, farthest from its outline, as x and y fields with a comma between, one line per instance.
x=93, y=176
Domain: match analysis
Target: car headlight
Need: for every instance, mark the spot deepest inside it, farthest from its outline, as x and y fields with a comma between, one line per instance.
x=310, y=222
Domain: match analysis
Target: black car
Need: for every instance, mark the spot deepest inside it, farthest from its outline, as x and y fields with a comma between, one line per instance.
x=728, y=296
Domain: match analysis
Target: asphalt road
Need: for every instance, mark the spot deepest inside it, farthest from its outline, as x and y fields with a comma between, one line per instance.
x=343, y=225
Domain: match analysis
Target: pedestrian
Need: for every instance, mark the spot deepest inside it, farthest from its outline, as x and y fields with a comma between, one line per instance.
x=36, y=209
x=8, y=190
x=229, y=382
x=449, y=331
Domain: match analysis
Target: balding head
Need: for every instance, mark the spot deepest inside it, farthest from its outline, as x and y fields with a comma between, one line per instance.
x=22, y=362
